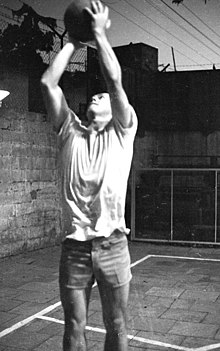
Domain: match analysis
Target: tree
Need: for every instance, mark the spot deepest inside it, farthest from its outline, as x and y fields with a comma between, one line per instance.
x=20, y=45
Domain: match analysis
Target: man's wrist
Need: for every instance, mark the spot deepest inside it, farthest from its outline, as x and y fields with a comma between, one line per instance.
x=100, y=36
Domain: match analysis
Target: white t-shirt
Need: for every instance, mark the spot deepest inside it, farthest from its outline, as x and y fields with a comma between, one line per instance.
x=94, y=170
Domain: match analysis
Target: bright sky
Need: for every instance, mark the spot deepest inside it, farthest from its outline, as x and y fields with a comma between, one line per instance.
x=191, y=28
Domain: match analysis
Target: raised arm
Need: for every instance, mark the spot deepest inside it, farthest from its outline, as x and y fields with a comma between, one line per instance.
x=109, y=64
x=55, y=101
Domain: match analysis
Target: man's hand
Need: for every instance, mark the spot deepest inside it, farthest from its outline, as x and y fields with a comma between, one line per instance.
x=99, y=17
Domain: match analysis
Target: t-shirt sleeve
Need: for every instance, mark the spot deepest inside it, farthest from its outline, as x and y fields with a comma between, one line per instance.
x=71, y=124
x=129, y=131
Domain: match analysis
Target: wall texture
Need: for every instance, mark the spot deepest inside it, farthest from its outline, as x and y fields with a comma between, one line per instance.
x=29, y=199
x=178, y=149
x=29, y=182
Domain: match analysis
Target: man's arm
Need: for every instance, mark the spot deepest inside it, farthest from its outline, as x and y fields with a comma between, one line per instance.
x=55, y=101
x=109, y=64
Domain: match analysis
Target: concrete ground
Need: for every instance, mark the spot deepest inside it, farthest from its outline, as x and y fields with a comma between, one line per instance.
x=174, y=301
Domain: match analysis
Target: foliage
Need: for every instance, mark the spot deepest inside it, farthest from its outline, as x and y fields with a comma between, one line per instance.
x=20, y=44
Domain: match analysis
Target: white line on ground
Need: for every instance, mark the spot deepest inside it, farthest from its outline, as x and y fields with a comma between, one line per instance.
x=41, y=314
x=29, y=319
x=131, y=337
x=140, y=261
x=47, y=310
x=208, y=348
x=188, y=258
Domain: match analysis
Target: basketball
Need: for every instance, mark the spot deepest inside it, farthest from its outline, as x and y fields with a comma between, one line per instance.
x=77, y=21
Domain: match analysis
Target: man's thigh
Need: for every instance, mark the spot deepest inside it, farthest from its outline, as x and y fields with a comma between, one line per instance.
x=111, y=260
x=75, y=305
x=76, y=279
x=114, y=304
x=76, y=271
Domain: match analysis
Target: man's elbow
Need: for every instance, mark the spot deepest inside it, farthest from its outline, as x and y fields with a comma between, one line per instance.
x=47, y=82
x=44, y=82
x=116, y=78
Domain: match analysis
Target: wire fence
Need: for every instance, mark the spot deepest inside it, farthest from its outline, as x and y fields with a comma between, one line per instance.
x=176, y=205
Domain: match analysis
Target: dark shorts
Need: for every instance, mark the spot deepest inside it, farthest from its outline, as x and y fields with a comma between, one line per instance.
x=106, y=260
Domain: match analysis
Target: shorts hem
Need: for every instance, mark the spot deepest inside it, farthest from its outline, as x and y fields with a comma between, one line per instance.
x=74, y=287
x=118, y=285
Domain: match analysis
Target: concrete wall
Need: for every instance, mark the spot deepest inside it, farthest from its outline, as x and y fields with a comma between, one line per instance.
x=177, y=149
x=29, y=201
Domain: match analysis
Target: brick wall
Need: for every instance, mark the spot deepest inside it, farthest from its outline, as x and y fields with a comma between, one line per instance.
x=29, y=196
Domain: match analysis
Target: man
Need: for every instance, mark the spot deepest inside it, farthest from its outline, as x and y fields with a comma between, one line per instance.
x=95, y=166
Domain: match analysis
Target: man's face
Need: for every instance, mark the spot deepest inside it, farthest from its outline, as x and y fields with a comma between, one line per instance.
x=99, y=108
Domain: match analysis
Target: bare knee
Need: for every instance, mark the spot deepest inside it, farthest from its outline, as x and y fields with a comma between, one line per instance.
x=74, y=334
x=75, y=311
x=116, y=326
x=74, y=325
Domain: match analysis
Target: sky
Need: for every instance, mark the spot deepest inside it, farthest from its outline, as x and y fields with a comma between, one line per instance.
x=192, y=29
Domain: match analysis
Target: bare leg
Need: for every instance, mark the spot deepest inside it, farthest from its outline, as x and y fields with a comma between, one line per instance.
x=75, y=306
x=114, y=304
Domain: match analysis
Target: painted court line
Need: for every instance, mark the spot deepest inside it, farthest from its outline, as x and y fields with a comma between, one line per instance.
x=47, y=310
x=131, y=337
x=41, y=314
x=140, y=261
x=208, y=348
x=188, y=258
x=29, y=319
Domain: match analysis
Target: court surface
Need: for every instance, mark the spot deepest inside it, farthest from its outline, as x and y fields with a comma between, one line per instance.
x=174, y=301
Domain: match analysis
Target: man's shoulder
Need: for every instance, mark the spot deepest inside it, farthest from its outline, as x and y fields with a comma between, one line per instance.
x=131, y=129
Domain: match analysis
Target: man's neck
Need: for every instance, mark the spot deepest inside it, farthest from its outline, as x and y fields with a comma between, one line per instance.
x=97, y=126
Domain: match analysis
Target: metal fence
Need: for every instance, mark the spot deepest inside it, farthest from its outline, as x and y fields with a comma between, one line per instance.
x=176, y=205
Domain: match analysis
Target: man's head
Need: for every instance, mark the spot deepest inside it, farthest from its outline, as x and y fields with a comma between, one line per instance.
x=99, y=109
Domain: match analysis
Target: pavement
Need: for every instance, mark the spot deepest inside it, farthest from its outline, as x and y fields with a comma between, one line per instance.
x=174, y=301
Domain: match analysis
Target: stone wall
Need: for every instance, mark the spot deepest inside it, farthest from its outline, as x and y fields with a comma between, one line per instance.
x=29, y=198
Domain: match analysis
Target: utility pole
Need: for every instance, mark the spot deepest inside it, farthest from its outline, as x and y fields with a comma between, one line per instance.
x=174, y=62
